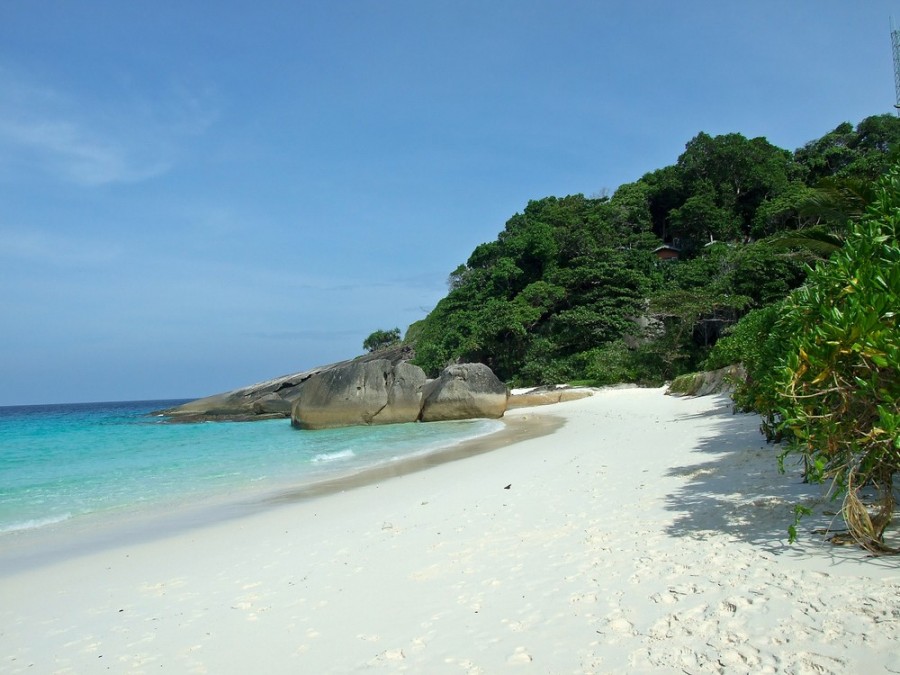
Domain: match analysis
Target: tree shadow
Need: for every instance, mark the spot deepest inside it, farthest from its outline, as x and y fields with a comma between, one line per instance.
x=739, y=491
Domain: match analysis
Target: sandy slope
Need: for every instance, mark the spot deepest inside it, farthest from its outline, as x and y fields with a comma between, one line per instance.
x=645, y=535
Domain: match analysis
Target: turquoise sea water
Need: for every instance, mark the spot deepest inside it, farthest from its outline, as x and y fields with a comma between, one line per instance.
x=62, y=463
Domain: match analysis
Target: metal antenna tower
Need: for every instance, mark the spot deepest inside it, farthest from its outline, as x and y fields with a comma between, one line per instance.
x=895, y=43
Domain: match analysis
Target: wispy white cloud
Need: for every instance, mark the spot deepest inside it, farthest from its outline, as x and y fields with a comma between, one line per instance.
x=53, y=248
x=90, y=143
x=76, y=154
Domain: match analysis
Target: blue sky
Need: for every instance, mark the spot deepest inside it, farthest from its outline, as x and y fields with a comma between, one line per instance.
x=195, y=196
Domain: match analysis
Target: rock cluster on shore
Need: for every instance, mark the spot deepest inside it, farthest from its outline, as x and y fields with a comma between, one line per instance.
x=380, y=392
x=379, y=388
x=270, y=399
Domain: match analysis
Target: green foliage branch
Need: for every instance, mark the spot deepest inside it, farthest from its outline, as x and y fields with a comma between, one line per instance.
x=838, y=389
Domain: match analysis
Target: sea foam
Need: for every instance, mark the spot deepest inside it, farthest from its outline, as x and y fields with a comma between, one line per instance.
x=34, y=523
x=333, y=456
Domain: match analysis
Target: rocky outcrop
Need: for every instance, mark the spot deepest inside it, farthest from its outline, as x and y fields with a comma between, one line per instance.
x=373, y=392
x=464, y=391
x=378, y=388
x=271, y=399
x=272, y=404
x=380, y=392
x=547, y=395
x=719, y=381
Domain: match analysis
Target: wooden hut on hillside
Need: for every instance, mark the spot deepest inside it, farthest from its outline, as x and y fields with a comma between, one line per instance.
x=667, y=252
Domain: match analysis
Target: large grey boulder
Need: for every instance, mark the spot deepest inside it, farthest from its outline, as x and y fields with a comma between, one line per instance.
x=464, y=391
x=270, y=399
x=360, y=392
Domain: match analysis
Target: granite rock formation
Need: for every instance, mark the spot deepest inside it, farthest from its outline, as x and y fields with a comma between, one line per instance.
x=464, y=391
x=271, y=399
x=719, y=381
x=370, y=392
x=547, y=395
x=378, y=388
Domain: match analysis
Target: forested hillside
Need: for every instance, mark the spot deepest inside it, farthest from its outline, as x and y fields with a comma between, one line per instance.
x=579, y=288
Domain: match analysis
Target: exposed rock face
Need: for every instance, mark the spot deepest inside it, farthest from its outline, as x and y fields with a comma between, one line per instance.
x=266, y=400
x=377, y=388
x=719, y=381
x=272, y=404
x=547, y=395
x=405, y=394
x=464, y=391
x=373, y=392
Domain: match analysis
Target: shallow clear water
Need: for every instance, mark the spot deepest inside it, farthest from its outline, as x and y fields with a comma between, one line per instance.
x=61, y=462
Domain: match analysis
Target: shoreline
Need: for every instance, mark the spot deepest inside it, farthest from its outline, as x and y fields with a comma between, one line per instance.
x=91, y=533
x=517, y=428
x=645, y=534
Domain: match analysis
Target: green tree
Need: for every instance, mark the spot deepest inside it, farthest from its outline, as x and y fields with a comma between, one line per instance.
x=665, y=191
x=865, y=152
x=829, y=155
x=381, y=339
x=821, y=215
x=787, y=210
x=549, y=286
x=701, y=218
x=762, y=273
x=732, y=176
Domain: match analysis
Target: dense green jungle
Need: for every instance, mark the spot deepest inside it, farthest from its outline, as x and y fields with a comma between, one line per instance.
x=786, y=262
x=583, y=289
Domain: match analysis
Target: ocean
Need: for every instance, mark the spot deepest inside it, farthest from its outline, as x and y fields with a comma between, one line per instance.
x=61, y=465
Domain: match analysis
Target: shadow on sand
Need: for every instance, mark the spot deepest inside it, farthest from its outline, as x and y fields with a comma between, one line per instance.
x=740, y=492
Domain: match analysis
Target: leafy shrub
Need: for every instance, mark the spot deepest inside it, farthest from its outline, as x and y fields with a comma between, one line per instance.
x=838, y=391
x=610, y=364
x=759, y=342
x=543, y=365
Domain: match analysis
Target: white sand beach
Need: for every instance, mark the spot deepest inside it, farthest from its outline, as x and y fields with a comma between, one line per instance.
x=647, y=534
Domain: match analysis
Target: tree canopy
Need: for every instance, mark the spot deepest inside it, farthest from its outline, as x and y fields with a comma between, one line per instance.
x=381, y=339
x=572, y=288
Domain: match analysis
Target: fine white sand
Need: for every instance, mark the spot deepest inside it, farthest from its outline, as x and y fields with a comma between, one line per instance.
x=648, y=534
